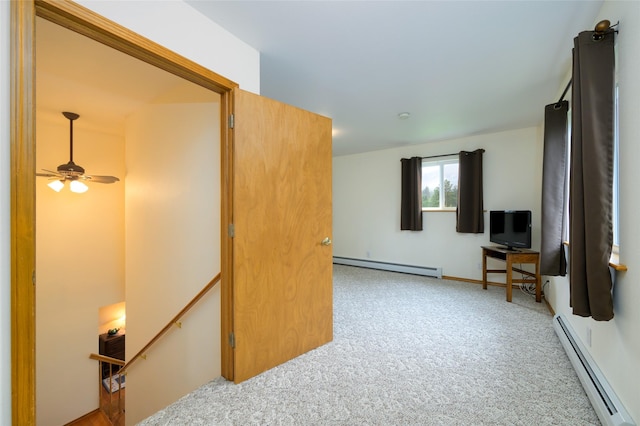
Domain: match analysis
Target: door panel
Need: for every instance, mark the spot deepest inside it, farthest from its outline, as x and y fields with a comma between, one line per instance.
x=282, y=274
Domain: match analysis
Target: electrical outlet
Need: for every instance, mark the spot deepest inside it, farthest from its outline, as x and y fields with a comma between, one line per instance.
x=368, y=254
x=588, y=336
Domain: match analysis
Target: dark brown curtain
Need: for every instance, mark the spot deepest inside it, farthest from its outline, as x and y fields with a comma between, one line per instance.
x=411, y=201
x=469, y=213
x=554, y=172
x=590, y=208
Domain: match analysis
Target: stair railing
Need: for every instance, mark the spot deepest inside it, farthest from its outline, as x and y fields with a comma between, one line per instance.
x=174, y=321
x=124, y=366
x=107, y=407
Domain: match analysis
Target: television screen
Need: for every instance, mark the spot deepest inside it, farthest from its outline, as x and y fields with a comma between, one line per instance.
x=511, y=228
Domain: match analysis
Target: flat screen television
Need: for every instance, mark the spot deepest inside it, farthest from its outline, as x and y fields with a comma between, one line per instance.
x=510, y=228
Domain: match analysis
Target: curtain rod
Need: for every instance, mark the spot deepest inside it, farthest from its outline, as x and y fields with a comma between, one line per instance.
x=451, y=155
x=566, y=89
x=435, y=156
x=442, y=155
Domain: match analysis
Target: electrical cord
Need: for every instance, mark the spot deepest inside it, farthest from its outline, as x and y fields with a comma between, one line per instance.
x=527, y=288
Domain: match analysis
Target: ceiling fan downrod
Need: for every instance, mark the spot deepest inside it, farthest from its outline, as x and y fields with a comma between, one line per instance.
x=71, y=116
x=71, y=167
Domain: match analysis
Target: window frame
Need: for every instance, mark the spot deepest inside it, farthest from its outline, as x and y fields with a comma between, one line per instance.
x=441, y=163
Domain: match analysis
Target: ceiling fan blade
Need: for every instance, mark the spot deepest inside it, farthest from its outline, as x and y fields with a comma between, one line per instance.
x=100, y=179
x=50, y=173
x=55, y=172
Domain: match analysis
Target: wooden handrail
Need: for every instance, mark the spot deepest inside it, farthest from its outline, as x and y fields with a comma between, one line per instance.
x=173, y=321
x=107, y=359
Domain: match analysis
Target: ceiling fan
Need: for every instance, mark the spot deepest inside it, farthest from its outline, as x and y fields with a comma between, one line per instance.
x=71, y=171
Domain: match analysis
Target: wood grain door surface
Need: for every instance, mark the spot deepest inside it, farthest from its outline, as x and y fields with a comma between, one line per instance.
x=282, y=285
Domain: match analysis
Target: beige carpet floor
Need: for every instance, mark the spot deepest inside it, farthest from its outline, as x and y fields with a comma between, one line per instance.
x=409, y=350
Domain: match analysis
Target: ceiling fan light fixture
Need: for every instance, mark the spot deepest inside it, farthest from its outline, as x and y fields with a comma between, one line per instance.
x=56, y=185
x=78, y=187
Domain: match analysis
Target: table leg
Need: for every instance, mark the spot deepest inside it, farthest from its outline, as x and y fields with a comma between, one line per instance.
x=484, y=269
x=509, y=278
x=538, y=283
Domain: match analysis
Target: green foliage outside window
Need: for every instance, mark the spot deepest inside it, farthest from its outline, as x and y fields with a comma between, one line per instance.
x=432, y=198
x=450, y=194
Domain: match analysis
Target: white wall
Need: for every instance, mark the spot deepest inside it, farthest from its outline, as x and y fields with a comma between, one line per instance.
x=80, y=264
x=615, y=344
x=179, y=27
x=5, y=225
x=366, y=197
x=172, y=250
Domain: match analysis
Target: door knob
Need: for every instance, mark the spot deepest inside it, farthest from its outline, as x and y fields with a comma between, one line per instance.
x=326, y=241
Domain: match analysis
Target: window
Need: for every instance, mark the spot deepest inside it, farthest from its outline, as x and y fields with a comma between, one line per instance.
x=437, y=175
x=615, y=215
x=567, y=177
x=616, y=167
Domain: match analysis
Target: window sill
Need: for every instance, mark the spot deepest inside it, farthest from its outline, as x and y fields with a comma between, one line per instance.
x=614, y=260
x=453, y=210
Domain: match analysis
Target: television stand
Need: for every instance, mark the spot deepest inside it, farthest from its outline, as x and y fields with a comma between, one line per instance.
x=511, y=256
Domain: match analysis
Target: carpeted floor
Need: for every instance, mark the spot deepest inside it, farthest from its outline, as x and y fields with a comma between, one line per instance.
x=409, y=350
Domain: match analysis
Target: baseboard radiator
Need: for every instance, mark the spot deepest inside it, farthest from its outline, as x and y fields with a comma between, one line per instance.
x=393, y=267
x=604, y=400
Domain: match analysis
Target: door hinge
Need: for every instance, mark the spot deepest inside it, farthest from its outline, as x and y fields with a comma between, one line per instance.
x=231, y=230
x=232, y=340
x=231, y=121
x=33, y=277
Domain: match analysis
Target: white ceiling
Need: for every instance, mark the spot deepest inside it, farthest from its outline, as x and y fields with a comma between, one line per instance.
x=459, y=67
x=103, y=85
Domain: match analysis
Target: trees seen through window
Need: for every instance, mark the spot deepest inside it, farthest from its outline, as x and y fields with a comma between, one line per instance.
x=437, y=175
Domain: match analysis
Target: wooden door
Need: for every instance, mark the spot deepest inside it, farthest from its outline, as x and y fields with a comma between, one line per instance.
x=282, y=271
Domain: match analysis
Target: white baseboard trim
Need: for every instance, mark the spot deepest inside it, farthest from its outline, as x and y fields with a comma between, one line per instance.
x=393, y=267
x=605, y=402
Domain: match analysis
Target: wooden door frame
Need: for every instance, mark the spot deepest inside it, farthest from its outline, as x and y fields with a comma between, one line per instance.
x=22, y=157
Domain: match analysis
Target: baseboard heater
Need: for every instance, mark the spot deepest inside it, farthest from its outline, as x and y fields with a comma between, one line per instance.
x=604, y=400
x=393, y=267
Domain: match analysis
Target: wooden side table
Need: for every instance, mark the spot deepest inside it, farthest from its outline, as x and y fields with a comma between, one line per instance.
x=516, y=256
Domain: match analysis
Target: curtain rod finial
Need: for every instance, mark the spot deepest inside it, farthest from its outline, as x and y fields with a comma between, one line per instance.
x=602, y=26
